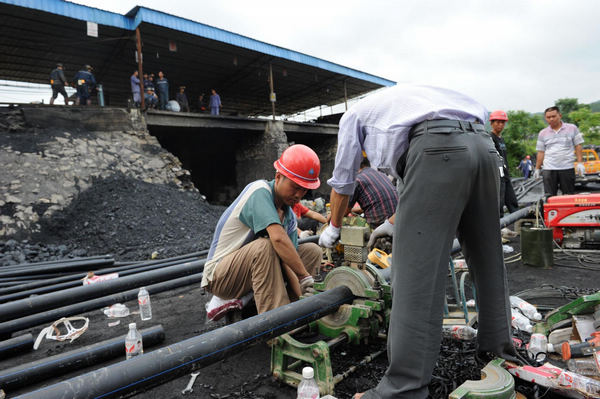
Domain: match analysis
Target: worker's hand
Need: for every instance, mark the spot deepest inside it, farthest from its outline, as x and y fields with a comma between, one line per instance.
x=305, y=234
x=580, y=168
x=536, y=174
x=329, y=236
x=385, y=229
x=307, y=285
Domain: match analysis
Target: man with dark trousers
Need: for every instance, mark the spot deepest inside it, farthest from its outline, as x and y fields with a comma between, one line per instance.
x=162, y=88
x=85, y=82
x=432, y=140
x=555, y=147
x=58, y=83
x=498, y=120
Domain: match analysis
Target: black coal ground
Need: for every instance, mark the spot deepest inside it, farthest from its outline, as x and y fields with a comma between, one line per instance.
x=130, y=220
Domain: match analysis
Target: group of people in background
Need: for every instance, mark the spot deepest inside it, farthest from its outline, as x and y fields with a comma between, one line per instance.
x=83, y=81
x=156, y=95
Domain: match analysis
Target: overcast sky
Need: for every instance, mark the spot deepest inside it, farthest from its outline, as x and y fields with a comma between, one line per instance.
x=513, y=54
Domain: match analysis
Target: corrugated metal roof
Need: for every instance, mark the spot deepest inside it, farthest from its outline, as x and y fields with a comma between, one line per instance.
x=139, y=15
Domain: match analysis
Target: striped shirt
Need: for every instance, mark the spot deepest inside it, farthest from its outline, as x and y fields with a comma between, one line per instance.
x=376, y=196
x=559, y=146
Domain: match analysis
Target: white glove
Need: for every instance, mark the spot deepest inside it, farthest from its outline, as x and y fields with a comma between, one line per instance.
x=329, y=236
x=306, y=285
x=580, y=168
x=385, y=229
x=536, y=174
x=305, y=234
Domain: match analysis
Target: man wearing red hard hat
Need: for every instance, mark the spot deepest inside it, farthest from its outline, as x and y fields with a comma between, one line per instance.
x=498, y=120
x=255, y=244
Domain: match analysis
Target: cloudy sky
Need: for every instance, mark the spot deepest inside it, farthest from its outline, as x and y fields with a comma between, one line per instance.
x=512, y=54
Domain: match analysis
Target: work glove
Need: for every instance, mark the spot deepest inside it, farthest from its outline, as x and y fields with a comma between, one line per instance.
x=305, y=234
x=307, y=285
x=329, y=236
x=580, y=169
x=536, y=174
x=385, y=229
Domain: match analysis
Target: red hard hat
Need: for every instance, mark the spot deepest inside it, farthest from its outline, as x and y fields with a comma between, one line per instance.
x=301, y=165
x=498, y=116
x=528, y=157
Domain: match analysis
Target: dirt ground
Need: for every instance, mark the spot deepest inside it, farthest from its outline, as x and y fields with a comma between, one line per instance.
x=181, y=312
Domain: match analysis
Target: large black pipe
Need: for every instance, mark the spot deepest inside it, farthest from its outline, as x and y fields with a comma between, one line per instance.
x=137, y=265
x=36, y=304
x=170, y=362
x=11, y=326
x=58, y=268
x=16, y=345
x=505, y=221
x=53, y=366
x=124, y=271
x=54, y=262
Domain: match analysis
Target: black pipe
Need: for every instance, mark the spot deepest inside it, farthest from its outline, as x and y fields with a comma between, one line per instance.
x=60, y=268
x=163, y=262
x=53, y=366
x=22, y=323
x=505, y=221
x=54, y=262
x=36, y=304
x=15, y=345
x=34, y=277
x=165, y=364
x=76, y=281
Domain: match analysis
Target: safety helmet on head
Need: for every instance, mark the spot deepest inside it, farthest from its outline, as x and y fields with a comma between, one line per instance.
x=59, y=65
x=301, y=165
x=498, y=116
x=88, y=67
x=528, y=157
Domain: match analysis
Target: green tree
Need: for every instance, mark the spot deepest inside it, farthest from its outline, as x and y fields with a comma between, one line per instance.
x=588, y=123
x=520, y=136
x=566, y=106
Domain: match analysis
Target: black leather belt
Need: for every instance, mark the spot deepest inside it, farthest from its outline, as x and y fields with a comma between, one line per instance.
x=446, y=126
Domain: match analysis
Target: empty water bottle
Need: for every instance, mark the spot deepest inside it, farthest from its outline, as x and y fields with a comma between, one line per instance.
x=133, y=342
x=584, y=366
x=460, y=332
x=308, y=388
x=520, y=322
x=144, y=302
x=525, y=307
x=538, y=347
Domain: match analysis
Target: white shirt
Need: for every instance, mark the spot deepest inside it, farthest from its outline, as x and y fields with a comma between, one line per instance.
x=379, y=125
x=559, y=146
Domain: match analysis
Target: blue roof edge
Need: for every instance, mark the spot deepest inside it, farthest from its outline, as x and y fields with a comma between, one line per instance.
x=139, y=14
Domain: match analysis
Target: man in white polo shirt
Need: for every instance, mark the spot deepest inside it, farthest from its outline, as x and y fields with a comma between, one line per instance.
x=555, y=146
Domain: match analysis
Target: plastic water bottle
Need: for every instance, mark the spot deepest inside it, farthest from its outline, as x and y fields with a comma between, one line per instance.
x=538, y=347
x=583, y=366
x=133, y=342
x=525, y=307
x=308, y=388
x=144, y=302
x=464, y=333
x=520, y=322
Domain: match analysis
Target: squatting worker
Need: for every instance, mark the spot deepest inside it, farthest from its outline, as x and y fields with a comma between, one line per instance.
x=255, y=245
x=507, y=197
x=58, y=83
x=433, y=140
x=555, y=146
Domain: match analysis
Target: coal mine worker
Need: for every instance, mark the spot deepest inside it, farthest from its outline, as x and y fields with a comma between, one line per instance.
x=308, y=220
x=555, y=146
x=507, y=197
x=58, y=83
x=85, y=83
x=162, y=88
x=214, y=102
x=135, y=88
x=375, y=194
x=182, y=99
x=525, y=166
x=433, y=141
x=255, y=245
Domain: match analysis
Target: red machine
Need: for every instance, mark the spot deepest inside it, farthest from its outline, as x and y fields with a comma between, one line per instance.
x=575, y=220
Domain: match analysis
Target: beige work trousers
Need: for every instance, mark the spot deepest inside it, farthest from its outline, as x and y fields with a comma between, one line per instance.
x=256, y=266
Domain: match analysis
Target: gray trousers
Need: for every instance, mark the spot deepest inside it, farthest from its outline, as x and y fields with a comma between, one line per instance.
x=451, y=185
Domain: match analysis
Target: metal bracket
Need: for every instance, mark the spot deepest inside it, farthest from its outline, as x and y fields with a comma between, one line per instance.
x=495, y=383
